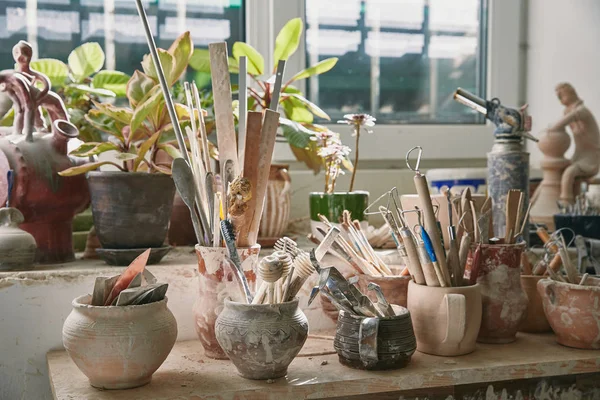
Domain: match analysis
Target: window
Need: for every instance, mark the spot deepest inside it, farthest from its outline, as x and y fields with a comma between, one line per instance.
x=400, y=60
x=55, y=27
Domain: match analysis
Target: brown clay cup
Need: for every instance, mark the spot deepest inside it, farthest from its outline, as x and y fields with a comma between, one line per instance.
x=535, y=320
x=216, y=282
x=262, y=339
x=573, y=311
x=446, y=319
x=503, y=299
x=394, y=288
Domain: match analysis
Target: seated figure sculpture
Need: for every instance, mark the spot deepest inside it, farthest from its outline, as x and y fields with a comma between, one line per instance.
x=585, y=162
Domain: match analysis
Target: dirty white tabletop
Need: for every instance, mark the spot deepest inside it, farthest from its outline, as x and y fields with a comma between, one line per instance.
x=187, y=374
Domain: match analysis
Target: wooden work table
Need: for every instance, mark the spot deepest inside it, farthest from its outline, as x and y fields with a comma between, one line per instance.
x=187, y=374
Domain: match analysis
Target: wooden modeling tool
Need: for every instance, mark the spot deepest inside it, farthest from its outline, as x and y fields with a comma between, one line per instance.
x=486, y=209
x=270, y=270
x=203, y=134
x=221, y=86
x=526, y=264
x=512, y=211
x=413, y=256
x=243, y=107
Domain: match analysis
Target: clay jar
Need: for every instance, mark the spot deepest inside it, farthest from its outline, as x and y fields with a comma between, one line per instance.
x=395, y=288
x=504, y=301
x=535, y=320
x=278, y=204
x=446, y=320
x=17, y=247
x=216, y=282
x=572, y=311
x=119, y=347
x=262, y=339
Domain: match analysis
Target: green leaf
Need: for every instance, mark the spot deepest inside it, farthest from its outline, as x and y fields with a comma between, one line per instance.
x=171, y=150
x=311, y=106
x=181, y=50
x=104, y=123
x=93, y=149
x=295, y=137
x=166, y=60
x=115, y=81
x=8, y=118
x=144, y=148
x=126, y=156
x=92, y=90
x=296, y=110
x=86, y=60
x=256, y=63
x=82, y=169
x=56, y=70
x=146, y=106
x=200, y=62
x=308, y=156
x=291, y=89
x=120, y=114
x=138, y=86
x=317, y=69
x=287, y=40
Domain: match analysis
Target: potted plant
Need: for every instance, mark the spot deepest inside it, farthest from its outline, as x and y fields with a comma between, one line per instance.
x=131, y=204
x=334, y=155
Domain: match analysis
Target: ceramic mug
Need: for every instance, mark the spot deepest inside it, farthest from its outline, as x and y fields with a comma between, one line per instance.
x=446, y=320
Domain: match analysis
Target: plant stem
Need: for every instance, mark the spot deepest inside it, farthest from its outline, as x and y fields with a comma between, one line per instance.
x=357, y=129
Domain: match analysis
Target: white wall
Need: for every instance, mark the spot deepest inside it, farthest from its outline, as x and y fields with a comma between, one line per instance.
x=563, y=46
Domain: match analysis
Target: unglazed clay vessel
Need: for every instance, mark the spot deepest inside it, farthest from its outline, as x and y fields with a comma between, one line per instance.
x=216, y=282
x=119, y=347
x=573, y=311
x=278, y=204
x=446, y=320
x=535, y=320
x=17, y=247
x=375, y=343
x=395, y=287
x=262, y=339
x=503, y=298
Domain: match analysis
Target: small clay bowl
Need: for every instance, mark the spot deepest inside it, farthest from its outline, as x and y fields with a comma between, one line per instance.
x=394, y=338
x=261, y=339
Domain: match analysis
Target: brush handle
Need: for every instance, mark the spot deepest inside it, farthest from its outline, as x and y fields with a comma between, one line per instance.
x=414, y=264
x=431, y=278
x=259, y=296
x=10, y=180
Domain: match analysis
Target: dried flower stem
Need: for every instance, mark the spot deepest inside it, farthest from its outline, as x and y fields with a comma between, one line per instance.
x=357, y=130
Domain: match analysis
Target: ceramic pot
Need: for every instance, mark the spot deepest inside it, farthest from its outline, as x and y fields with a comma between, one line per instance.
x=181, y=230
x=504, y=301
x=17, y=247
x=446, y=319
x=119, y=347
x=131, y=209
x=375, y=343
x=216, y=282
x=333, y=205
x=395, y=288
x=262, y=339
x=535, y=320
x=278, y=204
x=572, y=311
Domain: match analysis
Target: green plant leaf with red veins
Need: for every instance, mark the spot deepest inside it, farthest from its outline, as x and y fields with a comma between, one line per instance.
x=93, y=149
x=82, y=169
x=148, y=105
x=311, y=106
x=138, y=87
x=143, y=149
x=287, y=40
x=256, y=63
x=121, y=114
x=317, y=69
x=181, y=50
x=105, y=123
x=166, y=60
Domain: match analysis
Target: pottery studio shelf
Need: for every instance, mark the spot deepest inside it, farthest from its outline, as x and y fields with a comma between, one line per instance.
x=187, y=374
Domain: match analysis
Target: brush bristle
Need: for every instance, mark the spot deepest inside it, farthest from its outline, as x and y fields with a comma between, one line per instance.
x=227, y=230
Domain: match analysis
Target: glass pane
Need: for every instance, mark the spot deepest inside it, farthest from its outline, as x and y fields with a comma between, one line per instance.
x=399, y=60
x=58, y=26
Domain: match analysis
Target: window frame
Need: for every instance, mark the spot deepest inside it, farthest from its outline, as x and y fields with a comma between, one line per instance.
x=391, y=141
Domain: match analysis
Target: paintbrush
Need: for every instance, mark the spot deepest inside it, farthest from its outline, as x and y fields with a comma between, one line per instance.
x=229, y=238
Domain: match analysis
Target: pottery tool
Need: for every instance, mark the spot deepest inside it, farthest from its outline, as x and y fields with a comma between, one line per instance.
x=287, y=261
x=413, y=257
x=102, y=288
x=540, y=268
x=142, y=294
x=229, y=238
x=583, y=279
x=9, y=182
x=203, y=134
x=343, y=251
x=385, y=270
x=127, y=276
x=216, y=239
x=431, y=226
x=570, y=269
x=463, y=252
x=163, y=81
x=465, y=209
x=428, y=244
x=221, y=86
x=303, y=268
x=475, y=264
x=512, y=212
x=382, y=303
x=288, y=245
x=274, y=104
x=327, y=242
x=584, y=261
x=452, y=258
x=527, y=268
x=486, y=211
x=243, y=107
x=270, y=270
x=184, y=182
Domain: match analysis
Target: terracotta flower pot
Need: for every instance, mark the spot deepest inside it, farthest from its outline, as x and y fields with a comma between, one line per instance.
x=131, y=210
x=446, y=319
x=216, y=283
x=119, y=347
x=262, y=339
x=278, y=204
x=504, y=301
x=535, y=320
x=333, y=205
x=395, y=288
x=375, y=343
x=572, y=311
